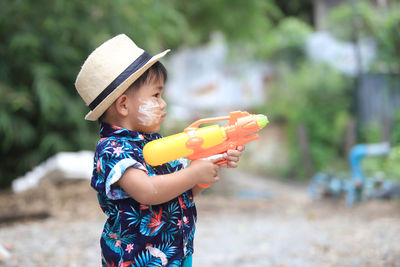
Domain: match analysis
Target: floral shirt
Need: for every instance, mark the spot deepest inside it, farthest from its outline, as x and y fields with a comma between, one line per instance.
x=137, y=234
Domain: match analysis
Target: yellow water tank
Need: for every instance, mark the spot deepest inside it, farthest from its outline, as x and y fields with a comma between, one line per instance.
x=173, y=147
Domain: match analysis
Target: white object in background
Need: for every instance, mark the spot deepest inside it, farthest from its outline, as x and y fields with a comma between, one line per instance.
x=4, y=253
x=323, y=47
x=208, y=78
x=71, y=165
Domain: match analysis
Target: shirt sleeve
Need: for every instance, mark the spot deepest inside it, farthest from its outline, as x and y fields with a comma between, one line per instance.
x=114, y=159
x=116, y=192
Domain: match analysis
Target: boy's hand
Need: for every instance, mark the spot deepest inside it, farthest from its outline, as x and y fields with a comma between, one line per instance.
x=233, y=157
x=206, y=171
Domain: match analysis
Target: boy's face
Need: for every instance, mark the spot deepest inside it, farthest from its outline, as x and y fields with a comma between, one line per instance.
x=147, y=106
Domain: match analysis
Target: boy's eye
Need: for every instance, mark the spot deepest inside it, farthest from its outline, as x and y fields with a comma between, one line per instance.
x=156, y=95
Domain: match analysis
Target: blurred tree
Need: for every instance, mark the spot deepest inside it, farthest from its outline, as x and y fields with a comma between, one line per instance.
x=314, y=96
x=302, y=9
x=380, y=23
x=317, y=96
x=286, y=42
x=387, y=167
x=41, y=50
x=240, y=21
x=43, y=44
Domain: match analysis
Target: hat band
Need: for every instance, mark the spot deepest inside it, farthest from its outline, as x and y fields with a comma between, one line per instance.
x=135, y=66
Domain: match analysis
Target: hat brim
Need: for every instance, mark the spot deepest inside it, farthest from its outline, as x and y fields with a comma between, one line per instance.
x=106, y=103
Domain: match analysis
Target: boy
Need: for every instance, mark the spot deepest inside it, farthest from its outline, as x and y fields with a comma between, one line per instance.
x=151, y=213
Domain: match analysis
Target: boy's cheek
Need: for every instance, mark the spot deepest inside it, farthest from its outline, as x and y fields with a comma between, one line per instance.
x=149, y=112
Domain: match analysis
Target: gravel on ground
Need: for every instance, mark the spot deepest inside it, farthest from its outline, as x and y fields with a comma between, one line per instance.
x=245, y=220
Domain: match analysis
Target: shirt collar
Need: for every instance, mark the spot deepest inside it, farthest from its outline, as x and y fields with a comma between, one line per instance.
x=108, y=130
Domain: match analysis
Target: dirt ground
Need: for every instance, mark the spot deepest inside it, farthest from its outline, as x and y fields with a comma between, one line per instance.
x=245, y=220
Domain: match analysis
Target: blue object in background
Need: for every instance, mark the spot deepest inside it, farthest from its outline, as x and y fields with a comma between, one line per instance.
x=363, y=150
x=354, y=188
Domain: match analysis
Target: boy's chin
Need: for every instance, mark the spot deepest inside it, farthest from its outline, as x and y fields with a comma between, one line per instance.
x=151, y=129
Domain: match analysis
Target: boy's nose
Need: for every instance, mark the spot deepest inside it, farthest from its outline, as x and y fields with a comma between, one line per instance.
x=163, y=104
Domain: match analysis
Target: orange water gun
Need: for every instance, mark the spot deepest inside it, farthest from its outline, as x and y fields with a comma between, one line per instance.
x=199, y=143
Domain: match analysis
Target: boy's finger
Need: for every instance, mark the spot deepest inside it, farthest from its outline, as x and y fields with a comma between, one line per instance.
x=233, y=158
x=215, y=158
x=217, y=168
x=234, y=153
x=224, y=165
x=232, y=164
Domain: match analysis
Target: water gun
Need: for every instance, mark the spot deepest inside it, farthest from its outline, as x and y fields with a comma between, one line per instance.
x=199, y=143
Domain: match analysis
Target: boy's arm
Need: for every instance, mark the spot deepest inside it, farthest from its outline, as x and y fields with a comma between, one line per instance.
x=162, y=188
x=197, y=190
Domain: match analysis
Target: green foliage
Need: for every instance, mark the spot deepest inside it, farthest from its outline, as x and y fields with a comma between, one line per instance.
x=243, y=21
x=388, y=167
x=372, y=133
x=286, y=41
x=302, y=9
x=396, y=129
x=44, y=43
x=316, y=96
x=381, y=24
x=305, y=93
x=40, y=113
x=392, y=166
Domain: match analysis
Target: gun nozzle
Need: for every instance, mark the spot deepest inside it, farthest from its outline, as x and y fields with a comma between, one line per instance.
x=262, y=120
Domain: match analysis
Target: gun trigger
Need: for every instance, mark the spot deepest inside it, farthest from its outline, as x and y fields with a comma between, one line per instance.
x=221, y=162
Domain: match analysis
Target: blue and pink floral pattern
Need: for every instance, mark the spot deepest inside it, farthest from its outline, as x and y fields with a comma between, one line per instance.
x=136, y=234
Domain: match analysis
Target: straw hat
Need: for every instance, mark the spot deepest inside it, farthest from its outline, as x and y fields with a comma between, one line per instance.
x=109, y=70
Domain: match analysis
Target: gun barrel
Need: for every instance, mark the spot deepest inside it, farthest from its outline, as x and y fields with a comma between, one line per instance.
x=202, y=142
x=262, y=120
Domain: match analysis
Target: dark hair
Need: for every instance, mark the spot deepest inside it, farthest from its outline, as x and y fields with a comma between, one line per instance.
x=154, y=73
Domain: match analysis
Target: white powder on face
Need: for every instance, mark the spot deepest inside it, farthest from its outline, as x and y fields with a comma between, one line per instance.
x=149, y=112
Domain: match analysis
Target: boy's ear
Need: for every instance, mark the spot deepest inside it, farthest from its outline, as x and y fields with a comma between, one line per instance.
x=121, y=105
